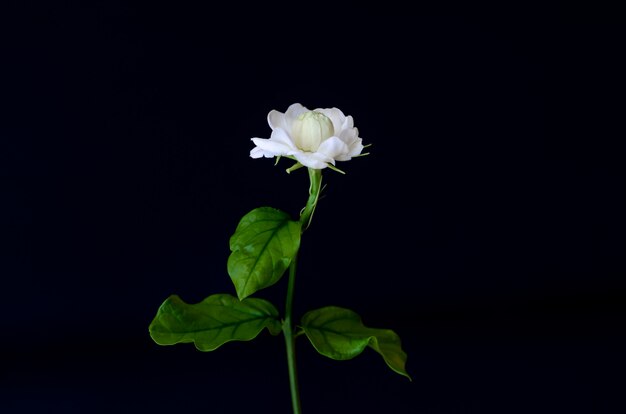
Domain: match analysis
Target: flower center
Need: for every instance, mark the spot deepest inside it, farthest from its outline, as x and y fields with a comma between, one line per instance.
x=310, y=129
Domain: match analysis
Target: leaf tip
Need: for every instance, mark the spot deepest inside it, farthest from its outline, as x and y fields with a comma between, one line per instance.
x=406, y=375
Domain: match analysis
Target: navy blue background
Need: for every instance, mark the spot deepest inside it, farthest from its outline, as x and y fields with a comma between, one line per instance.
x=486, y=227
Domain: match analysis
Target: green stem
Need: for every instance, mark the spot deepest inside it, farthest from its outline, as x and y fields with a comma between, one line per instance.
x=290, y=341
x=306, y=216
x=315, y=176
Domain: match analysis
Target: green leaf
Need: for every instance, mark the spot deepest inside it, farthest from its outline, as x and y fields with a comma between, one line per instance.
x=213, y=322
x=339, y=334
x=264, y=243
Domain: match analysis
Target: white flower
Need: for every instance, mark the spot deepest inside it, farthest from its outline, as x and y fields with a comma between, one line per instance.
x=313, y=138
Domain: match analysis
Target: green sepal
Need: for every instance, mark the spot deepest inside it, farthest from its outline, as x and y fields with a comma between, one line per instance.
x=339, y=334
x=211, y=323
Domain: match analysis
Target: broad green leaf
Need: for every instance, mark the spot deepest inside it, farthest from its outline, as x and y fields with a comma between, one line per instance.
x=264, y=243
x=339, y=334
x=213, y=322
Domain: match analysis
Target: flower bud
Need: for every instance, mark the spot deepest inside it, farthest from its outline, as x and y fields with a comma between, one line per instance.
x=310, y=129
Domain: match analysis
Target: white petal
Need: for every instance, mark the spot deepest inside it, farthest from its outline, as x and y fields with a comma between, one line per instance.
x=271, y=147
x=354, y=143
x=336, y=116
x=349, y=135
x=280, y=135
x=276, y=119
x=257, y=152
x=356, y=148
x=333, y=147
x=312, y=159
x=293, y=112
x=348, y=123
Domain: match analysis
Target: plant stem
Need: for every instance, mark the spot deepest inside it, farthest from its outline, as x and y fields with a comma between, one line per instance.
x=290, y=341
x=315, y=177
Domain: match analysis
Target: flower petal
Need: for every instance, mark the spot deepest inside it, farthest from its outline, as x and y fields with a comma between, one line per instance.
x=257, y=152
x=348, y=123
x=270, y=147
x=349, y=135
x=336, y=116
x=292, y=113
x=333, y=148
x=351, y=139
x=280, y=135
x=355, y=148
x=276, y=119
x=313, y=160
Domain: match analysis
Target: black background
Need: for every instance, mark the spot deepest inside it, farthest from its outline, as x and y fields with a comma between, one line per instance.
x=486, y=227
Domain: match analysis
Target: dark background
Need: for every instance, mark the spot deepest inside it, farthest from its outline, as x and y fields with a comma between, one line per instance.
x=486, y=227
